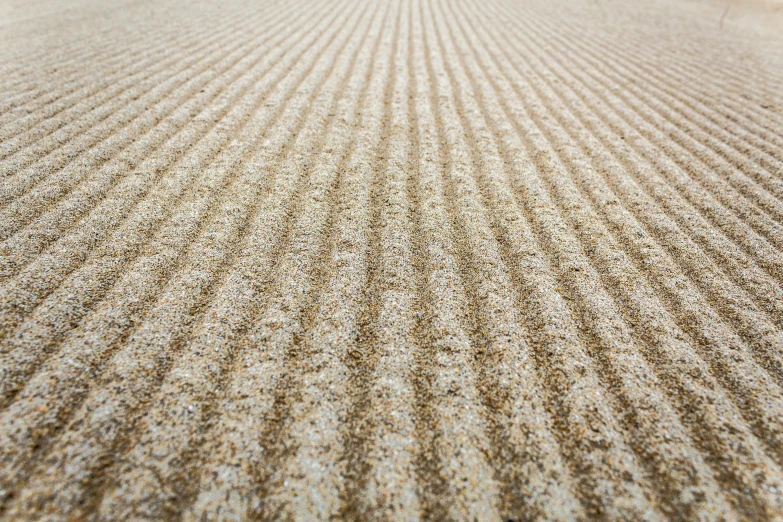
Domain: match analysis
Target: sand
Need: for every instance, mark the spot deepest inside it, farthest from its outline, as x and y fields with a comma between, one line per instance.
x=408, y=259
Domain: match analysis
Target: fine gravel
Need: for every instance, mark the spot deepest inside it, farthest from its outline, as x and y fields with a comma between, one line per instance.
x=391, y=260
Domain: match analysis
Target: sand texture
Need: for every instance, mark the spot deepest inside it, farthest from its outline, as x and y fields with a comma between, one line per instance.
x=391, y=260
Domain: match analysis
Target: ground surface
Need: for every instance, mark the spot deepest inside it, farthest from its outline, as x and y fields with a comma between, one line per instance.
x=442, y=259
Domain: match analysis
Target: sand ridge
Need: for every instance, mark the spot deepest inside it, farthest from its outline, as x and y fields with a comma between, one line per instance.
x=409, y=259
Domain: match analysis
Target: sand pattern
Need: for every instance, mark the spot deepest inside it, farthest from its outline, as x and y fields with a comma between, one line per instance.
x=395, y=260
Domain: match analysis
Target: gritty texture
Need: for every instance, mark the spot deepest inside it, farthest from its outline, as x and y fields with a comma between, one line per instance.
x=391, y=260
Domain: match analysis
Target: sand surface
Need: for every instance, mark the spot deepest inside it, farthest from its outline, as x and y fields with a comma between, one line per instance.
x=403, y=259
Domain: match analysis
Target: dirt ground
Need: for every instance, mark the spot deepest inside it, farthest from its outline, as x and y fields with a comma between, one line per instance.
x=401, y=259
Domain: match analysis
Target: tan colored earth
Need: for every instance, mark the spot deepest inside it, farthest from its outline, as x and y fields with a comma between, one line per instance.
x=391, y=260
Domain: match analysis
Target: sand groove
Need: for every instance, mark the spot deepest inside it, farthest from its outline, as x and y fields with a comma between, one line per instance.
x=406, y=259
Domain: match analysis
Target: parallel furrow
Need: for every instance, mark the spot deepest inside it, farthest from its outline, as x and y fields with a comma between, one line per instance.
x=733, y=226
x=648, y=306
x=146, y=159
x=391, y=260
x=523, y=453
x=106, y=139
x=230, y=488
x=376, y=484
x=713, y=154
x=619, y=359
x=575, y=411
x=691, y=310
x=65, y=68
x=713, y=274
x=113, y=204
x=738, y=121
x=94, y=438
x=39, y=122
x=155, y=263
x=139, y=488
x=20, y=78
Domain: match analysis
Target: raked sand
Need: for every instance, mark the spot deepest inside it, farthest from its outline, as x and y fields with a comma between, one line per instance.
x=391, y=260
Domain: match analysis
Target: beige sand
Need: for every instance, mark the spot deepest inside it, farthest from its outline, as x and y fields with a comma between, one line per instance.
x=407, y=259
